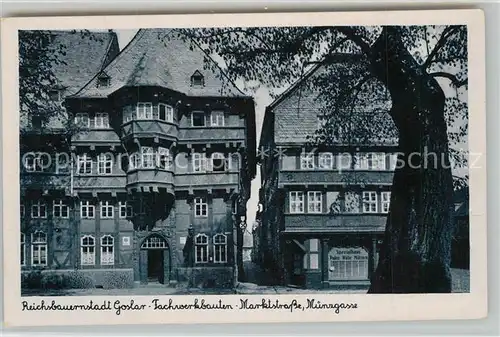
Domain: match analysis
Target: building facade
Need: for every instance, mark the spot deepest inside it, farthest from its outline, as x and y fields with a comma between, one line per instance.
x=323, y=204
x=155, y=185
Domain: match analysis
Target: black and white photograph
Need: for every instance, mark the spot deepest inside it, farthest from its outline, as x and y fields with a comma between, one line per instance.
x=318, y=160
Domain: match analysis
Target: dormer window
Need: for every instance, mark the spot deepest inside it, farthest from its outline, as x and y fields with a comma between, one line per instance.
x=101, y=121
x=197, y=79
x=55, y=95
x=103, y=80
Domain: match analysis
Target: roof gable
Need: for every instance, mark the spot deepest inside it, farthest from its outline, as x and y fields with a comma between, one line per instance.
x=163, y=58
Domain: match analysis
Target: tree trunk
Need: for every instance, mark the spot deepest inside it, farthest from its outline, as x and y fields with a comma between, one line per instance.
x=415, y=255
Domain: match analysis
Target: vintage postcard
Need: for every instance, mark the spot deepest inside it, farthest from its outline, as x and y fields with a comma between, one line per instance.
x=286, y=167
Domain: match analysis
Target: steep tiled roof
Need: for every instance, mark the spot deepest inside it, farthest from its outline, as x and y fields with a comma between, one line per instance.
x=85, y=55
x=296, y=110
x=164, y=58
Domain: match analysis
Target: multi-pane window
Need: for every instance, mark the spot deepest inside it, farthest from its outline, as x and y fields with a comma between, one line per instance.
x=200, y=208
x=199, y=162
x=163, y=158
x=134, y=161
x=393, y=161
x=82, y=120
x=84, y=163
x=39, y=209
x=38, y=249
x=60, y=209
x=101, y=120
x=107, y=255
x=126, y=210
x=198, y=118
x=104, y=163
x=217, y=118
x=197, y=80
x=352, y=202
x=369, y=202
x=88, y=250
x=165, y=113
x=144, y=111
x=218, y=162
x=325, y=160
x=347, y=269
x=344, y=161
x=201, y=248
x=314, y=202
x=297, y=202
x=220, y=248
x=385, y=201
x=107, y=210
x=306, y=161
x=147, y=156
x=36, y=163
x=370, y=161
x=23, y=249
x=87, y=210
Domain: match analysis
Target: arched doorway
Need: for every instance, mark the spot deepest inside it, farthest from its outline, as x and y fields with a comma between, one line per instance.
x=156, y=260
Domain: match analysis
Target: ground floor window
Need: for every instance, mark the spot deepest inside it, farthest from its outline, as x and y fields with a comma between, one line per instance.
x=201, y=248
x=88, y=250
x=107, y=255
x=23, y=249
x=220, y=248
x=348, y=264
x=38, y=249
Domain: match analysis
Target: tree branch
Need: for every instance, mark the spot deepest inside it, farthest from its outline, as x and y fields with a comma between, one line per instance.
x=357, y=39
x=456, y=82
x=448, y=31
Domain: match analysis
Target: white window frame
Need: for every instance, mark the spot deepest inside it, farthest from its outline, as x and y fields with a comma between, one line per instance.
x=204, y=118
x=200, y=207
x=201, y=245
x=163, y=158
x=39, y=206
x=325, y=160
x=393, y=161
x=306, y=161
x=147, y=157
x=107, y=209
x=60, y=207
x=125, y=208
x=134, y=161
x=314, y=202
x=169, y=112
x=385, y=201
x=199, y=161
x=39, y=247
x=87, y=250
x=105, y=164
x=87, y=206
x=220, y=248
x=218, y=156
x=144, y=111
x=84, y=164
x=35, y=163
x=217, y=118
x=296, y=202
x=23, y=249
x=101, y=120
x=82, y=120
x=107, y=250
x=370, y=202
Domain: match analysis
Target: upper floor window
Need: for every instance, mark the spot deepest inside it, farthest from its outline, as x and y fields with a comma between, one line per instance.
x=218, y=162
x=39, y=209
x=163, y=158
x=107, y=210
x=393, y=161
x=217, y=118
x=297, y=202
x=199, y=162
x=314, y=202
x=325, y=160
x=200, y=208
x=84, y=164
x=36, y=162
x=87, y=210
x=198, y=118
x=385, y=201
x=147, y=155
x=369, y=202
x=144, y=111
x=306, y=161
x=56, y=95
x=103, y=80
x=165, y=113
x=101, y=120
x=370, y=161
x=125, y=210
x=197, y=79
x=104, y=163
x=60, y=209
x=82, y=120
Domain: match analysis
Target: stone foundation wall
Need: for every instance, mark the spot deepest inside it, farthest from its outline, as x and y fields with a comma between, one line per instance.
x=206, y=277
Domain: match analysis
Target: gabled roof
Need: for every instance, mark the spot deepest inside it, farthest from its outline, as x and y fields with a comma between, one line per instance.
x=164, y=58
x=85, y=55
